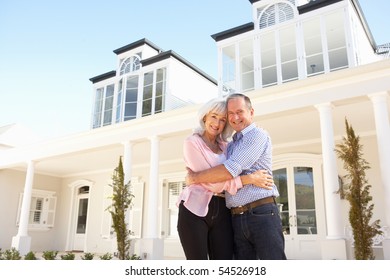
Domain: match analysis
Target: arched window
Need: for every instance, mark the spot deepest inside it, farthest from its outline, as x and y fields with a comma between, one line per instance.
x=274, y=14
x=130, y=64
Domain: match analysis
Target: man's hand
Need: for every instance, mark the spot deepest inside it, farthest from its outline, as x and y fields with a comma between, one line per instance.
x=190, y=177
x=262, y=179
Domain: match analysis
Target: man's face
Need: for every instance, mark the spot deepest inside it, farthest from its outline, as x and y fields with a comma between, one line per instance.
x=239, y=115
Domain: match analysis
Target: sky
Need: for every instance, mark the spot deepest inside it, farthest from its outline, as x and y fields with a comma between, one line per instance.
x=50, y=49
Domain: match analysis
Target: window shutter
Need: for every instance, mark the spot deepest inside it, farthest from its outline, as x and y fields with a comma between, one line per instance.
x=135, y=213
x=105, y=230
x=50, y=206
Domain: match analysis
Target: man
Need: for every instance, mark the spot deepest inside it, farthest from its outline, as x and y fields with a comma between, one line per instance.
x=256, y=222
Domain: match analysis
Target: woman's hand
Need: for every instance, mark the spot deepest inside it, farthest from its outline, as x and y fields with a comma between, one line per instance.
x=260, y=178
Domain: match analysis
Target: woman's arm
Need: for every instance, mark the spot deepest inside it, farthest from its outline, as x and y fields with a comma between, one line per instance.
x=195, y=158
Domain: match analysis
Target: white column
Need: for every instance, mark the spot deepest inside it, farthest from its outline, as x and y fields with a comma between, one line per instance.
x=331, y=183
x=127, y=153
x=152, y=221
x=382, y=125
x=22, y=242
x=152, y=247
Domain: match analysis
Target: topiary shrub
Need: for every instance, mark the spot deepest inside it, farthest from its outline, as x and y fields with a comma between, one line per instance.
x=358, y=195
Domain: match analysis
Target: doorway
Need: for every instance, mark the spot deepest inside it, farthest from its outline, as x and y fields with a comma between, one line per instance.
x=80, y=218
x=301, y=205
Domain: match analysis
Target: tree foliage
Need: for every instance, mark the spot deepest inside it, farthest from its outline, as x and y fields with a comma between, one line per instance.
x=358, y=194
x=121, y=201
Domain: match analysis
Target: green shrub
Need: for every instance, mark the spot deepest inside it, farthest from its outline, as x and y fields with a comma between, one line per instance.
x=49, y=255
x=87, y=256
x=106, y=256
x=30, y=256
x=134, y=257
x=68, y=257
x=12, y=254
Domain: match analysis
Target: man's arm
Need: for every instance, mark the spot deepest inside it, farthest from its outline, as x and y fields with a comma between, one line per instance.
x=215, y=174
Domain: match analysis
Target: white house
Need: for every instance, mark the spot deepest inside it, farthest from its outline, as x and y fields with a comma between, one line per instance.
x=306, y=65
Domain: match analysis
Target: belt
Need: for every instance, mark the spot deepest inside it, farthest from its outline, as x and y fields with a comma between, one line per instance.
x=219, y=195
x=245, y=208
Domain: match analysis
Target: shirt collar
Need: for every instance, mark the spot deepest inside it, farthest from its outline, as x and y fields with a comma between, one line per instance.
x=238, y=135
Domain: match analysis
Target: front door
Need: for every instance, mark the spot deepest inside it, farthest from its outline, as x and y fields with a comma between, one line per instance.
x=301, y=207
x=80, y=222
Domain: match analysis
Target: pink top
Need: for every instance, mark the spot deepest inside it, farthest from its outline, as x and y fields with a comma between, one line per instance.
x=198, y=156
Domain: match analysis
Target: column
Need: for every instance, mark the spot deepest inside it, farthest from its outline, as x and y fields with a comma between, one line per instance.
x=22, y=242
x=152, y=204
x=379, y=101
x=334, y=246
x=127, y=153
x=152, y=245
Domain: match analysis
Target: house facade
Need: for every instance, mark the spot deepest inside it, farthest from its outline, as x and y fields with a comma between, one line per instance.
x=307, y=67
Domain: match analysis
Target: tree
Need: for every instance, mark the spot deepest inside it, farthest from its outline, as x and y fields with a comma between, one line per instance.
x=358, y=195
x=121, y=201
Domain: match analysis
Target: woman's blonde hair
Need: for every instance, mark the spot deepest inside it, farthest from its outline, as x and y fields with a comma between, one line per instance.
x=216, y=105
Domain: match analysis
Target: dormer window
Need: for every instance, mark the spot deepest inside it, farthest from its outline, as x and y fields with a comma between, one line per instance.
x=130, y=64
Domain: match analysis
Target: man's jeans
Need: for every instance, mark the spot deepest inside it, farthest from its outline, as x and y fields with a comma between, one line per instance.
x=258, y=234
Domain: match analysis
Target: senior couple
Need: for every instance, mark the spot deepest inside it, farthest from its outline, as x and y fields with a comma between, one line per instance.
x=228, y=209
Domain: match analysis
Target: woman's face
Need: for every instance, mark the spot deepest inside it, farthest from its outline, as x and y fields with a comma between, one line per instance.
x=214, y=123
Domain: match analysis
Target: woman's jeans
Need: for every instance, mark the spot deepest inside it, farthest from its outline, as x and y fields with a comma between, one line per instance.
x=209, y=237
x=258, y=234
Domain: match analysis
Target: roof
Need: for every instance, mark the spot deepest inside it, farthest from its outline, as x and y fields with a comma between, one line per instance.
x=137, y=44
x=148, y=61
x=170, y=53
x=103, y=77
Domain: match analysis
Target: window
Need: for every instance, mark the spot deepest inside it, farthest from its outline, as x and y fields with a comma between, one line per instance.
x=174, y=190
x=98, y=107
x=278, y=13
x=154, y=92
x=103, y=106
x=268, y=59
x=246, y=65
x=336, y=42
x=288, y=54
x=160, y=91
x=108, y=104
x=147, y=94
x=130, y=64
x=131, y=97
x=313, y=47
x=229, y=69
x=118, y=109
x=42, y=210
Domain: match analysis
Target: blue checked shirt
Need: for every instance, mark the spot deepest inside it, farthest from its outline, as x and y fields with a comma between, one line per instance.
x=250, y=150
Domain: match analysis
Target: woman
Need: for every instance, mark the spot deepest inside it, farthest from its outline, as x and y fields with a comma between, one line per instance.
x=204, y=221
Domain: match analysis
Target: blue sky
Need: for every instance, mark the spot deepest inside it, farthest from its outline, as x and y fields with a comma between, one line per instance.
x=50, y=49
